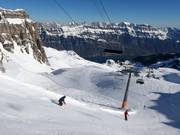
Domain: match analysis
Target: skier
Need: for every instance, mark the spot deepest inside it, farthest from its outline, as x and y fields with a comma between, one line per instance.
x=62, y=101
x=126, y=114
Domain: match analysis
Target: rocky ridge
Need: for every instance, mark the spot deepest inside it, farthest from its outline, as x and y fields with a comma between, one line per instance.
x=17, y=30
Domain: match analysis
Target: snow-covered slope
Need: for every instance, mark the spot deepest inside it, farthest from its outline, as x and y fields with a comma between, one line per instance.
x=65, y=59
x=27, y=95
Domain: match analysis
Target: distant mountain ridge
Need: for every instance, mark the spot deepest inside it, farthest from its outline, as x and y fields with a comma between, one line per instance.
x=89, y=40
x=135, y=30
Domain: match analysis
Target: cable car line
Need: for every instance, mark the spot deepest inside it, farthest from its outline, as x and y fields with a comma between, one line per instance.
x=65, y=12
x=98, y=10
x=105, y=11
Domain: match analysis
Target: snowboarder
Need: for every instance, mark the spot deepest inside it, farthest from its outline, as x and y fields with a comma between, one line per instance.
x=62, y=101
x=126, y=114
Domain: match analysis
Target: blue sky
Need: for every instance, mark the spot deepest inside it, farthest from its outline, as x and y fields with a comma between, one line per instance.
x=154, y=12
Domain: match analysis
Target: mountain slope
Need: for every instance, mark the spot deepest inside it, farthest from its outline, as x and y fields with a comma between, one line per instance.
x=26, y=106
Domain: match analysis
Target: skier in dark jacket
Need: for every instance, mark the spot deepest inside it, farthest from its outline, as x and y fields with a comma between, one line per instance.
x=62, y=101
x=126, y=114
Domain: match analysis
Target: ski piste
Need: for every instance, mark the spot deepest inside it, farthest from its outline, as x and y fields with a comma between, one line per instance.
x=103, y=107
x=110, y=108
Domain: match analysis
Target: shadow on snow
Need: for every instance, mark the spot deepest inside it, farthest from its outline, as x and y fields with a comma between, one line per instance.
x=173, y=77
x=169, y=105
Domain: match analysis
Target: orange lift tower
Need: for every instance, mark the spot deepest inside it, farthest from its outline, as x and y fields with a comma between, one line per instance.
x=125, y=101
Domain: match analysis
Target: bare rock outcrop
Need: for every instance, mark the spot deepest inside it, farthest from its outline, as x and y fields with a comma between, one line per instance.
x=16, y=29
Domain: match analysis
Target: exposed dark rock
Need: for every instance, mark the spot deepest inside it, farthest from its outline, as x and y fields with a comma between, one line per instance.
x=17, y=29
x=89, y=41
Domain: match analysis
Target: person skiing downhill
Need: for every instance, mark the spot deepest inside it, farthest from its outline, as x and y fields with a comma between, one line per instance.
x=62, y=101
x=126, y=114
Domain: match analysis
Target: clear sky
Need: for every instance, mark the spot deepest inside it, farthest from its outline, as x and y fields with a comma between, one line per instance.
x=154, y=12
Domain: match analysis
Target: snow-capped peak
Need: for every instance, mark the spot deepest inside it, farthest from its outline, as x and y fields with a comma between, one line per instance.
x=135, y=30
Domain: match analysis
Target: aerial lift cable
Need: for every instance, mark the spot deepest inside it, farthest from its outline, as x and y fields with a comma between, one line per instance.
x=116, y=31
x=98, y=10
x=65, y=12
x=105, y=11
x=70, y=17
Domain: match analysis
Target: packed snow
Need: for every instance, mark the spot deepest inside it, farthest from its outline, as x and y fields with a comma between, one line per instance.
x=94, y=92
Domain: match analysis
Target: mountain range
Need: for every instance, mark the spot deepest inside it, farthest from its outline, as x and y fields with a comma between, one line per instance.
x=90, y=40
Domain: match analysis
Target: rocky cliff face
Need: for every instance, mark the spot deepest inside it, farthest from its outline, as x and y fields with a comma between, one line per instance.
x=17, y=31
x=90, y=40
